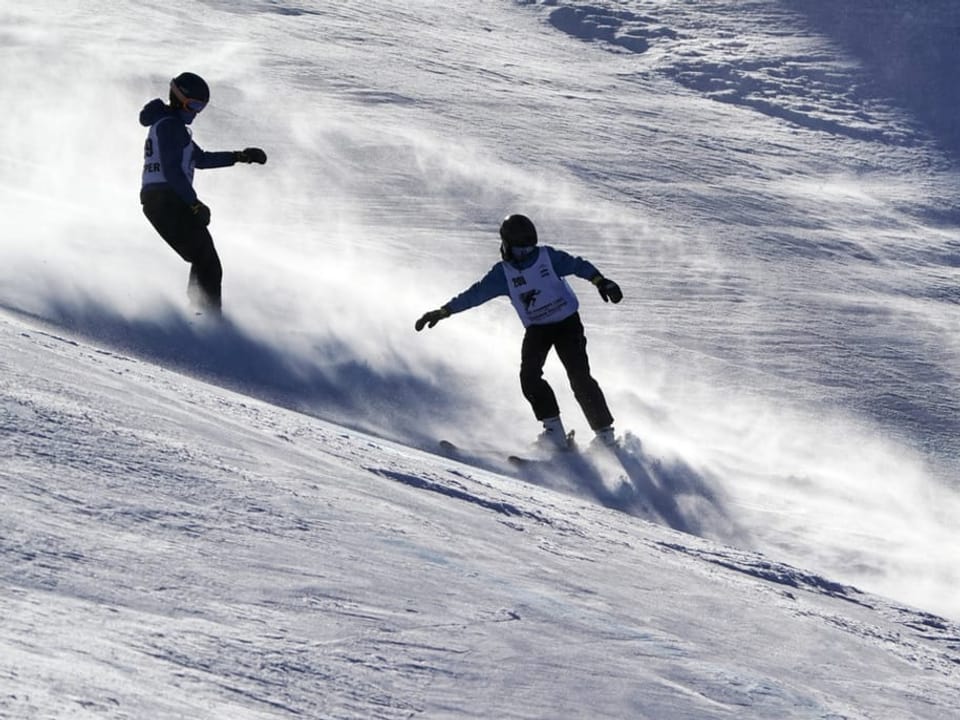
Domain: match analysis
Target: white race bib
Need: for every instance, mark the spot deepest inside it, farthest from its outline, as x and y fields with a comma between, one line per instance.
x=152, y=169
x=538, y=294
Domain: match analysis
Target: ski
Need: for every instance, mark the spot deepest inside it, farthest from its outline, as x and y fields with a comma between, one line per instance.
x=559, y=456
x=451, y=448
x=569, y=457
x=556, y=455
x=497, y=456
x=485, y=456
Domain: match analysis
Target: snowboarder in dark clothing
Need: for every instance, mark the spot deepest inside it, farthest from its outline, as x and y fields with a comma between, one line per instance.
x=167, y=195
x=532, y=277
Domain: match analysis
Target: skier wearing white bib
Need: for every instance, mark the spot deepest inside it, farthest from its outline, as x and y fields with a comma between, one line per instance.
x=533, y=277
x=167, y=195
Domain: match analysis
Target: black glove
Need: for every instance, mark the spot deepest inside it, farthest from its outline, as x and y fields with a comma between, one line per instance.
x=250, y=155
x=432, y=318
x=201, y=212
x=608, y=289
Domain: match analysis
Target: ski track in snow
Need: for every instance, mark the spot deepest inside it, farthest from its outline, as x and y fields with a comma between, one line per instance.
x=240, y=520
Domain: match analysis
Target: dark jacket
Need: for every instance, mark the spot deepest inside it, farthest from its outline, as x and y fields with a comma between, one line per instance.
x=494, y=283
x=170, y=154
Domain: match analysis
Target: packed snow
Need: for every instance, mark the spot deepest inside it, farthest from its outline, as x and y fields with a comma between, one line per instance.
x=253, y=518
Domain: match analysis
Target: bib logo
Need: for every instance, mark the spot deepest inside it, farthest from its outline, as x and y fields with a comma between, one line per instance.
x=529, y=298
x=519, y=281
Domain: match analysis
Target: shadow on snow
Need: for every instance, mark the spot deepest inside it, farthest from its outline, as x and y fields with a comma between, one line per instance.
x=326, y=381
x=627, y=479
x=911, y=48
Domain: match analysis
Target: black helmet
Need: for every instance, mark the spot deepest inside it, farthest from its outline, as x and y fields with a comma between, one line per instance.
x=516, y=231
x=189, y=91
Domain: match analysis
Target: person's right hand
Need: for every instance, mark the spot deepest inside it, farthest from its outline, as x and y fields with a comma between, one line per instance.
x=431, y=318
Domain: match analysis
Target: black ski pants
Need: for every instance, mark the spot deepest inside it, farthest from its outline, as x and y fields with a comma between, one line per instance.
x=568, y=338
x=183, y=231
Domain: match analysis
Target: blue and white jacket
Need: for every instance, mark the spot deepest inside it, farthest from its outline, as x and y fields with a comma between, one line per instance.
x=535, y=286
x=170, y=154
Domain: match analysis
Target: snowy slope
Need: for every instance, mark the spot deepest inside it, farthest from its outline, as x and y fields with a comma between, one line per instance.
x=250, y=520
x=172, y=549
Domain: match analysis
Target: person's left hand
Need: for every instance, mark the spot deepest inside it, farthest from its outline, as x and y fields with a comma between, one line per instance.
x=250, y=155
x=608, y=289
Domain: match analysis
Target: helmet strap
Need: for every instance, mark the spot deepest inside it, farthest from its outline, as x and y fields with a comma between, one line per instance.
x=178, y=94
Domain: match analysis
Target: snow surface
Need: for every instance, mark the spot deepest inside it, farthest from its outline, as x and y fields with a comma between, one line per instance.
x=251, y=519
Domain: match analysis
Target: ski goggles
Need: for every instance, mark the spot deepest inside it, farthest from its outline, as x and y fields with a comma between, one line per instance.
x=517, y=252
x=192, y=105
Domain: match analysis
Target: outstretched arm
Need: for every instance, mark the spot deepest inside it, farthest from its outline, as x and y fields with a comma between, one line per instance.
x=491, y=285
x=566, y=264
x=206, y=160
